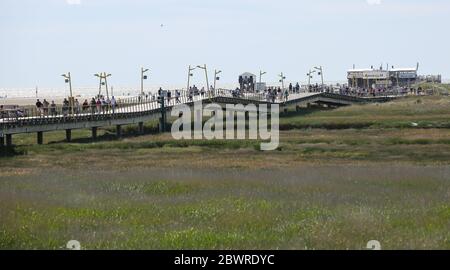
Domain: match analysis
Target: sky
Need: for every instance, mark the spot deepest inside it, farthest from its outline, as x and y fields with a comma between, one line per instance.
x=40, y=40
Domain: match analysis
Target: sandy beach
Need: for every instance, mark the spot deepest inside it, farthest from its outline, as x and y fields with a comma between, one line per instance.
x=32, y=101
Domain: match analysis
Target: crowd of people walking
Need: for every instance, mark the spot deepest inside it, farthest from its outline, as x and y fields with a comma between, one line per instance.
x=95, y=105
x=102, y=104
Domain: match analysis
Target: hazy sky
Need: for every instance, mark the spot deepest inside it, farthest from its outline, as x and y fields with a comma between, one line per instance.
x=40, y=40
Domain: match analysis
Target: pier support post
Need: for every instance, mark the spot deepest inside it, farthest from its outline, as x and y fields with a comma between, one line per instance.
x=141, y=128
x=162, y=124
x=119, y=131
x=94, y=133
x=8, y=140
x=297, y=108
x=68, y=135
x=2, y=143
x=40, y=137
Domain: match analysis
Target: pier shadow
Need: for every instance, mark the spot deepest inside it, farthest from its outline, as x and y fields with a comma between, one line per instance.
x=110, y=135
x=133, y=132
x=303, y=112
x=8, y=152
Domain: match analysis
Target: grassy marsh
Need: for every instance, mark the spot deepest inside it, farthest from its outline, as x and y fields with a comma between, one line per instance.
x=325, y=188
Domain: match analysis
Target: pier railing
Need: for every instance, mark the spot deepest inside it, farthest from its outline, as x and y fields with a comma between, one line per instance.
x=123, y=108
x=130, y=107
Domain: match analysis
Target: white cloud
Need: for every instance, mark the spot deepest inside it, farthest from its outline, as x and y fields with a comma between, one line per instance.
x=73, y=2
x=374, y=2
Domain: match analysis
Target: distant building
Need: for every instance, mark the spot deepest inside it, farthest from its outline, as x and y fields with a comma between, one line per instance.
x=378, y=78
x=430, y=78
x=247, y=81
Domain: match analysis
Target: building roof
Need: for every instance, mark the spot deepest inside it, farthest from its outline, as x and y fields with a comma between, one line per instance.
x=403, y=69
x=393, y=70
x=247, y=74
x=360, y=70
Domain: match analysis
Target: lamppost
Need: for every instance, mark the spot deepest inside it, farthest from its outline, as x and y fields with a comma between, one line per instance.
x=260, y=75
x=216, y=72
x=189, y=76
x=143, y=77
x=206, y=75
x=100, y=76
x=103, y=76
x=309, y=74
x=320, y=70
x=68, y=79
x=106, y=83
x=282, y=78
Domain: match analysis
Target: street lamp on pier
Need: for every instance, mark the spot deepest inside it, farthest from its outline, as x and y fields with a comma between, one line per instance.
x=216, y=78
x=309, y=74
x=68, y=79
x=320, y=72
x=282, y=78
x=143, y=77
x=206, y=75
x=103, y=81
x=189, y=77
x=260, y=75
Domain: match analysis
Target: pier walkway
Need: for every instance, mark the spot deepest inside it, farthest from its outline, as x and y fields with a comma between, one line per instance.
x=138, y=110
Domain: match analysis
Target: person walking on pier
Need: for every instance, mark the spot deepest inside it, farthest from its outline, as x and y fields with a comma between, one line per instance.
x=53, y=108
x=160, y=92
x=108, y=103
x=104, y=105
x=177, y=96
x=45, y=105
x=39, y=106
x=169, y=96
x=77, y=107
x=65, y=107
x=191, y=96
x=93, y=105
x=113, y=104
x=98, y=105
x=202, y=92
x=85, y=106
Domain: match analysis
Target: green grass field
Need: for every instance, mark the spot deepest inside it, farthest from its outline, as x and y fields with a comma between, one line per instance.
x=339, y=179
